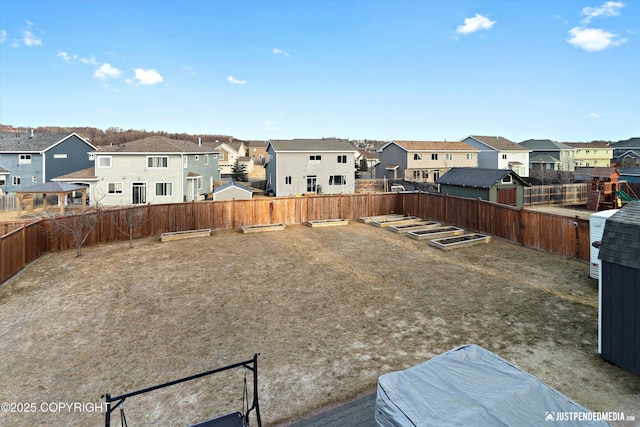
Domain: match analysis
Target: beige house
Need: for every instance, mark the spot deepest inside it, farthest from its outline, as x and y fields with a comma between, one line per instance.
x=423, y=161
x=591, y=154
x=231, y=151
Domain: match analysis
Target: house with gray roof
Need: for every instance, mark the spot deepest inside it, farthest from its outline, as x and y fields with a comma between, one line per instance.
x=155, y=169
x=28, y=159
x=494, y=185
x=303, y=166
x=497, y=152
x=550, y=155
x=232, y=191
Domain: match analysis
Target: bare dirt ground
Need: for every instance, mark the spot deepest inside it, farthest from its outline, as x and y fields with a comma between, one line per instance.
x=328, y=309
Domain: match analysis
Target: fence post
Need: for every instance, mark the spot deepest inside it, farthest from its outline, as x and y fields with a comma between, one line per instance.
x=24, y=246
x=446, y=207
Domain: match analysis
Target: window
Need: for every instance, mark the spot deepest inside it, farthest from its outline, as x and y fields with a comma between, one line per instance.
x=337, y=180
x=436, y=174
x=206, y=159
x=164, y=189
x=104, y=161
x=3, y=180
x=157, y=162
x=287, y=180
x=34, y=179
x=588, y=152
x=504, y=157
x=315, y=159
x=25, y=159
x=185, y=162
x=114, y=188
x=448, y=156
x=60, y=156
x=198, y=182
x=506, y=179
x=342, y=158
x=197, y=157
x=15, y=180
x=416, y=175
x=469, y=156
x=595, y=151
x=417, y=156
x=92, y=157
x=425, y=175
x=434, y=156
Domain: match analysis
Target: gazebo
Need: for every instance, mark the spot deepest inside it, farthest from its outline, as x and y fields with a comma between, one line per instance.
x=56, y=188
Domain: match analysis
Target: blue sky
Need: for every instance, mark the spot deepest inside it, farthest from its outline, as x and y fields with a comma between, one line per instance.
x=407, y=70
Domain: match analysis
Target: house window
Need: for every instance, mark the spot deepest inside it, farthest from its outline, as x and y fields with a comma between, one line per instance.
x=506, y=179
x=417, y=156
x=434, y=156
x=198, y=182
x=588, y=152
x=578, y=151
x=3, y=180
x=416, y=175
x=448, y=156
x=315, y=159
x=185, y=162
x=436, y=174
x=197, y=157
x=114, y=188
x=60, y=156
x=469, y=156
x=34, y=178
x=157, y=162
x=595, y=151
x=104, y=161
x=337, y=180
x=92, y=157
x=164, y=189
x=425, y=175
x=15, y=180
x=25, y=159
x=206, y=159
x=504, y=157
x=287, y=180
x=342, y=159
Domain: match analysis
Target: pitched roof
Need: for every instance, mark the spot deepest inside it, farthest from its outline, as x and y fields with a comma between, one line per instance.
x=628, y=143
x=630, y=171
x=621, y=237
x=88, y=173
x=11, y=142
x=542, y=158
x=596, y=172
x=545, y=144
x=156, y=144
x=232, y=184
x=328, y=144
x=434, y=146
x=51, y=187
x=499, y=143
x=3, y=171
x=476, y=177
x=589, y=145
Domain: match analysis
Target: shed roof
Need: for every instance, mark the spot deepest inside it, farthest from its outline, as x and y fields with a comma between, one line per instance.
x=231, y=184
x=476, y=177
x=621, y=237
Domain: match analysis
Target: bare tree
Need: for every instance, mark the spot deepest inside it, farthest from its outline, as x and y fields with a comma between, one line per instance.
x=77, y=225
x=132, y=219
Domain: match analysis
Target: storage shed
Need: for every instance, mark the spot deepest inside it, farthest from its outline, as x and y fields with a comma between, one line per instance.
x=232, y=191
x=494, y=185
x=619, y=289
x=471, y=386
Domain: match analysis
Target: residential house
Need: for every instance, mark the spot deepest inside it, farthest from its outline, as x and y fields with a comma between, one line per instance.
x=27, y=159
x=232, y=191
x=370, y=157
x=591, y=154
x=155, y=169
x=232, y=150
x=550, y=155
x=630, y=174
x=627, y=152
x=300, y=166
x=494, y=185
x=497, y=152
x=423, y=161
x=257, y=150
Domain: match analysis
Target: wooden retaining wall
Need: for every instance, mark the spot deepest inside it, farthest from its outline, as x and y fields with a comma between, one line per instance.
x=547, y=232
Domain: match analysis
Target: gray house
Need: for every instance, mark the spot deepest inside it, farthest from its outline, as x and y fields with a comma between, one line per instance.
x=300, y=166
x=497, y=152
x=232, y=191
x=494, y=185
x=549, y=155
x=619, y=305
x=27, y=159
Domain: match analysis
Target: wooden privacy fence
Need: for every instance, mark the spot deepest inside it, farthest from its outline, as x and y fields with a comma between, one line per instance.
x=566, y=194
x=551, y=233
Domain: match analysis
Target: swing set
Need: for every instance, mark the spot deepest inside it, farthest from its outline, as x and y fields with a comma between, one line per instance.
x=234, y=419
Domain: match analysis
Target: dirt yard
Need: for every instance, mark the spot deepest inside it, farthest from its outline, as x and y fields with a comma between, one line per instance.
x=328, y=309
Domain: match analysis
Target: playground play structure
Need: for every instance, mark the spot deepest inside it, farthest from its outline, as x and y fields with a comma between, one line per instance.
x=607, y=191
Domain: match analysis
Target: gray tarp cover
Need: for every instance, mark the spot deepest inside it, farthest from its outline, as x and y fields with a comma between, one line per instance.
x=471, y=386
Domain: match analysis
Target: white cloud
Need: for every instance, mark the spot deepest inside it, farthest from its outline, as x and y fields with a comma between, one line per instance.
x=30, y=39
x=65, y=56
x=595, y=115
x=3, y=36
x=148, y=77
x=106, y=71
x=277, y=51
x=190, y=70
x=477, y=23
x=610, y=8
x=593, y=39
x=235, y=81
x=90, y=61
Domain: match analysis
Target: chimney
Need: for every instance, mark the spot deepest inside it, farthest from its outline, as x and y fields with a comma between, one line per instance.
x=31, y=134
x=199, y=142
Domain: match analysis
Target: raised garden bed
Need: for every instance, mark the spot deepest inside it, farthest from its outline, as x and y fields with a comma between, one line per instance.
x=328, y=222
x=261, y=228
x=435, y=233
x=378, y=218
x=414, y=226
x=464, y=240
x=188, y=234
x=397, y=221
